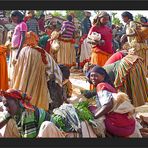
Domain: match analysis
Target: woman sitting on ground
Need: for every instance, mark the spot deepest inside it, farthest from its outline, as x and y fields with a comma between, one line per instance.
x=108, y=110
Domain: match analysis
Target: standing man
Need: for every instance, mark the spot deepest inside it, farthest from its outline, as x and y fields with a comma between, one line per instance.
x=41, y=23
x=86, y=23
x=32, y=22
x=85, y=48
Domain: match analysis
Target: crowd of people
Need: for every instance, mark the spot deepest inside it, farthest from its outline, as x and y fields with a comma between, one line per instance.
x=35, y=84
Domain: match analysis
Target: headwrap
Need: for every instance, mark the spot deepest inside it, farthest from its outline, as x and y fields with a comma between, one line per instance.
x=3, y=49
x=102, y=14
x=31, y=39
x=65, y=71
x=87, y=11
x=101, y=71
x=18, y=95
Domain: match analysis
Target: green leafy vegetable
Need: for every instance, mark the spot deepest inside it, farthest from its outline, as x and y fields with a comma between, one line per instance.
x=83, y=111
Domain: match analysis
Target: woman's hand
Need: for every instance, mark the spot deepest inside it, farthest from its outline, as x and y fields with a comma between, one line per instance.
x=95, y=114
x=100, y=42
x=123, y=38
x=93, y=109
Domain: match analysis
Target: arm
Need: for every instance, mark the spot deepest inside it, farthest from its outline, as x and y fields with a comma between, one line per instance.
x=131, y=34
x=104, y=109
x=63, y=28
x=69, y=86
x=22, y=42
x=89, y=93
x=63, y=31
x=133, y=27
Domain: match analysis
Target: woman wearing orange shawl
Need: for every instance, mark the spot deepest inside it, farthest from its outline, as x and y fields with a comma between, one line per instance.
x=3, y=69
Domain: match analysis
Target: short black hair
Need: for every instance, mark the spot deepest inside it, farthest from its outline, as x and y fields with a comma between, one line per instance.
x=65, y=71
x=42, y=15
x=69, y=17
x=144, y=19
x=127, y=14
x=18, y=14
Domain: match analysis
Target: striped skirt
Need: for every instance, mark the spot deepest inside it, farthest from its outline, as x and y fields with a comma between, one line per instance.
x=131, y=79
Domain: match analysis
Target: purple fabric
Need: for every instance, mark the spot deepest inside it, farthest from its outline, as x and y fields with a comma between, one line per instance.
x=70, y=28
x=119, y=124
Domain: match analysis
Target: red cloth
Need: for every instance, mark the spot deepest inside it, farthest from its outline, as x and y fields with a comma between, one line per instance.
x=105, y=86
x=119, y=124
x=48, y=46
x=48, y=31
x=26, y=18
x=83, y=38
x=115, y=57
x=41, y=23
x=106, y=35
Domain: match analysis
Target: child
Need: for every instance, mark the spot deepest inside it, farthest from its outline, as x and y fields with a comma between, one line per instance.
x=54, y=42
x=67, y=85
x=18, y=38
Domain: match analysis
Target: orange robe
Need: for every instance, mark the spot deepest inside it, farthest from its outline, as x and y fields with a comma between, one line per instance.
x=3, y=69
x=99, y=57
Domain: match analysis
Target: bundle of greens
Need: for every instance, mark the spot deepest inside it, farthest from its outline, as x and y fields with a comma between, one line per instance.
x=58, y=121
x=65, y=118
x=83, y=111
x=68, y=120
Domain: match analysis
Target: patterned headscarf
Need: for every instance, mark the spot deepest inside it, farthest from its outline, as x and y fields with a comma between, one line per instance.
x=31, y=39
x=102, y=71
x=18, y=95
x=98, y=16
x=102, y=14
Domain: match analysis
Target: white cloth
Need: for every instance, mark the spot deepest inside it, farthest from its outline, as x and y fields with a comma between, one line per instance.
x=104, y=97
x=85, y=51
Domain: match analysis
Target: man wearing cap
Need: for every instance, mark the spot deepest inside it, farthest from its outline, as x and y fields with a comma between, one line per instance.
x=28, y=118
x=86, y=23
x=32, y=22
x=85, y=47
